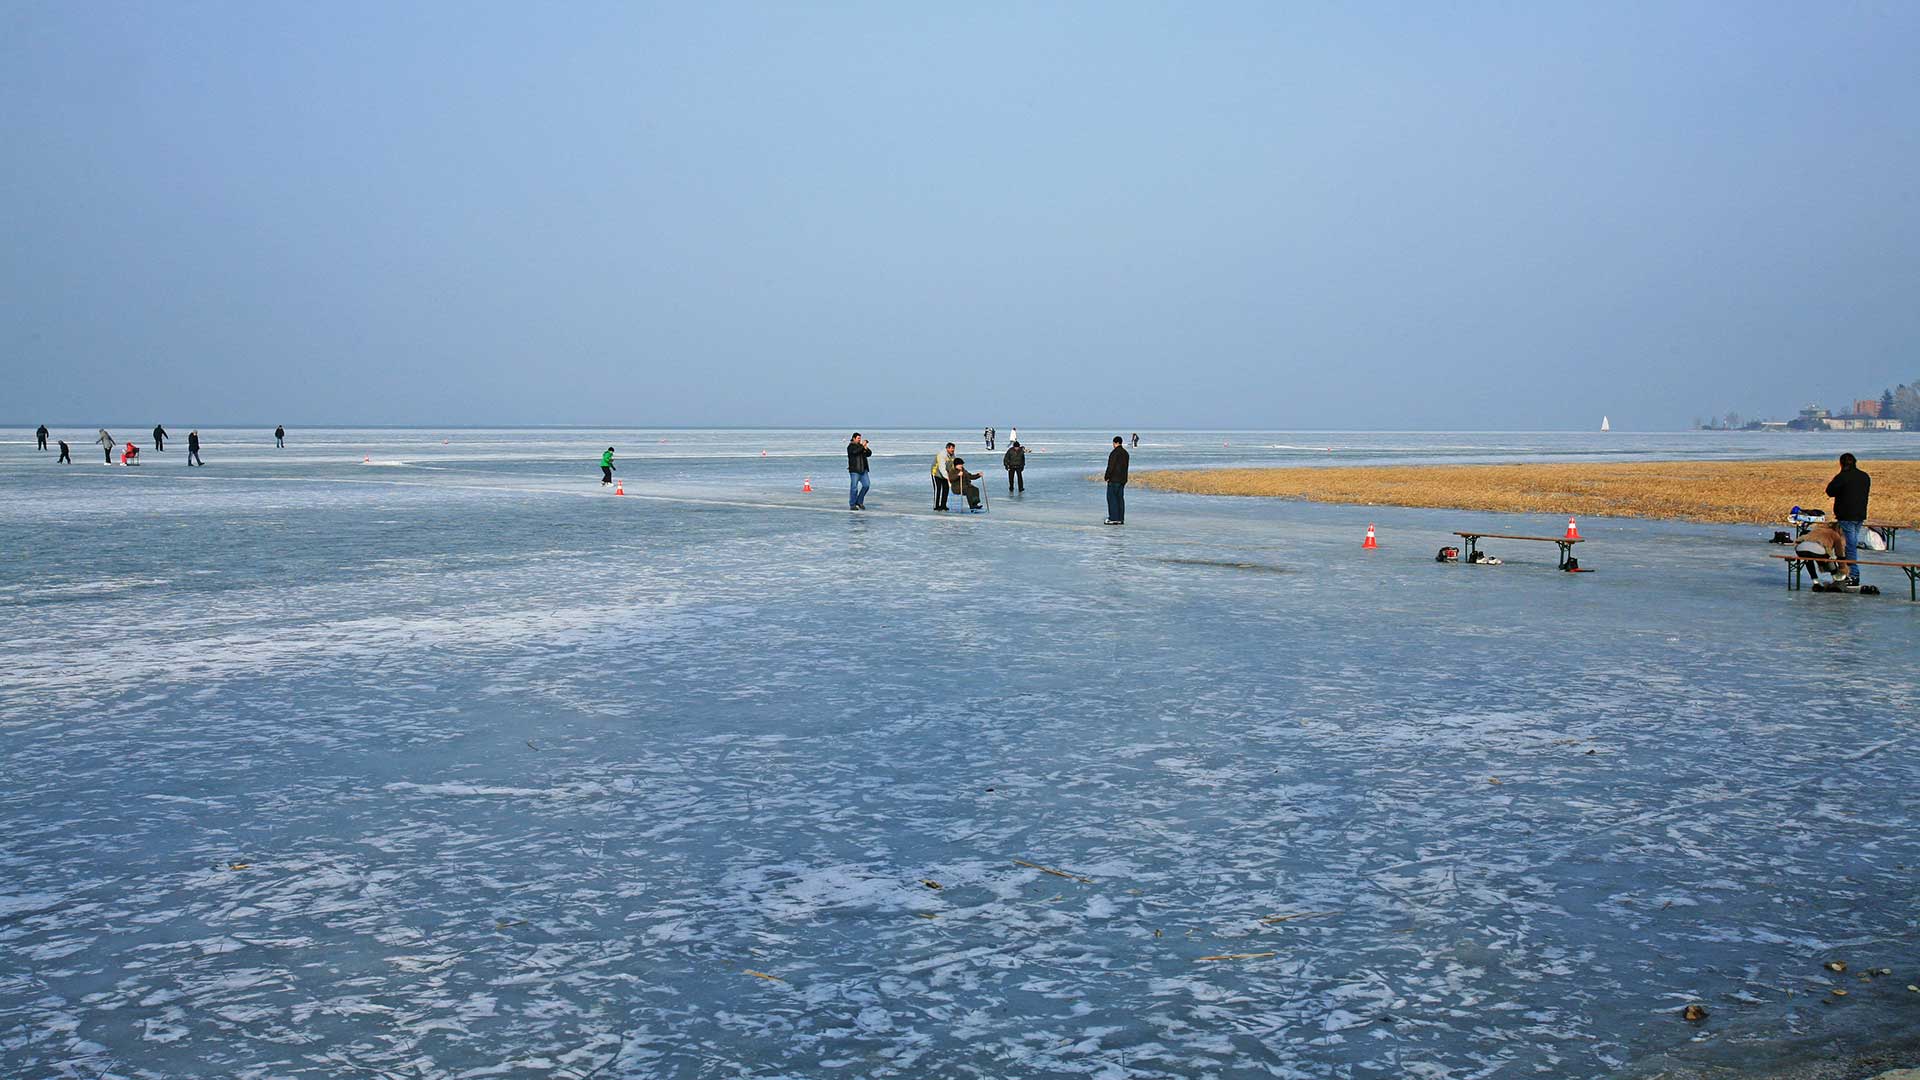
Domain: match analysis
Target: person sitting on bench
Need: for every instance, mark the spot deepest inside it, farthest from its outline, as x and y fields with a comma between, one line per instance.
x=1825, y=543
x=965, y=481
x=130, y=456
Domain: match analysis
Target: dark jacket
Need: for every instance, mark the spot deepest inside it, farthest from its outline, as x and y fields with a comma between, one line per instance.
x=193, y=440
x=159, y=432
x=1849, y=491
x=1016, y=458
x=1117, y=466
x=857, y=456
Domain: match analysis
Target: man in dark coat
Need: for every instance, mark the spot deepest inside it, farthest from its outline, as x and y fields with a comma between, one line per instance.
x=1015, y=462
x=1117, y=484
x=1849, y=488
x=858, y=451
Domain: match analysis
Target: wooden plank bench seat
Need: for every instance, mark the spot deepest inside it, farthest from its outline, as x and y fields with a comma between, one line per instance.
x=1797, y=564
x=1566, y=543
x=1888, y=531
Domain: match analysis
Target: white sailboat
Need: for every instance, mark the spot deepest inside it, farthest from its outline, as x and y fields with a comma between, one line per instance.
x=1604, y=426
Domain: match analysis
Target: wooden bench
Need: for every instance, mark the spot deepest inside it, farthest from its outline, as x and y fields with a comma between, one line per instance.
x=1566, y=543
x=1887, y=532
x=1797, y=564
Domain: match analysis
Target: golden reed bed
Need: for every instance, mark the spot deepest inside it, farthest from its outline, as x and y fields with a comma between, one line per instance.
x=1730, y=492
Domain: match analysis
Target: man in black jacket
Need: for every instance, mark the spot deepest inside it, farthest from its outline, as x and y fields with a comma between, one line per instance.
x=41, y=435
x=1016, y=465
x=858, y=451
x=159, y=438
x=1117, y=484
x=1849, y=489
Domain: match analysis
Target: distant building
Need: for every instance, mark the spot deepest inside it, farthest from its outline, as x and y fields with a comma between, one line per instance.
x=1866, y=407
x=1811, y=418
x=1860, y=423
x=1769, y=425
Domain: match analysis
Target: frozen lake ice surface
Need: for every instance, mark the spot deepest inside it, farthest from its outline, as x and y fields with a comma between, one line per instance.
x=420, y=754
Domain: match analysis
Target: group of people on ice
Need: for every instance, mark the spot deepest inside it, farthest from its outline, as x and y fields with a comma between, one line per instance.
x=130, y=452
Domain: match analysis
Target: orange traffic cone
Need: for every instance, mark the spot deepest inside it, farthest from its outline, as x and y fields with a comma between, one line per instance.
x=1370, y=543
x=619, y=487
x=1573, y=531
x=807, y=484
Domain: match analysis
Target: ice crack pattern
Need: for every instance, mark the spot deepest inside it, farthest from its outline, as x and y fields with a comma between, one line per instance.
x=461, y=767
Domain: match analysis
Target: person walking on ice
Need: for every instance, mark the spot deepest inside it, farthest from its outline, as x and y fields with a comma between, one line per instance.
x=858, y=451
x=1849, y=489
x=66, y=456
x=279, y=437
x=942, y=469
x=1015, y=463
x=41, y=435
x=193, y=448
x=606, y=467
x=159, y=439
x=105, y=442
x=1117, y=484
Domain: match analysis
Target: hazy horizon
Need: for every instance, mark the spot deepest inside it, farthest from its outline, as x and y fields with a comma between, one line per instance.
x=1240, y=216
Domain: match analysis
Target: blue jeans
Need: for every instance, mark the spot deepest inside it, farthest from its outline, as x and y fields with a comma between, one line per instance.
x=1851, y=530
x=1116, y=501
x=856, y=489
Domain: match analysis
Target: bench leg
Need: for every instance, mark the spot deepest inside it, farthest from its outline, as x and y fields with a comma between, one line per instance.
x=1566, y=552
x=1793, y=575
x=1473, y=545
x=1913, y=581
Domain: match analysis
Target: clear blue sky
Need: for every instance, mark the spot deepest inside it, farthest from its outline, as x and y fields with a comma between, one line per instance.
x=1253, y=215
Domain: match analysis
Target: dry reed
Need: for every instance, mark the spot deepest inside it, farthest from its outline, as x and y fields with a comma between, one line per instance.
x=1729, y=492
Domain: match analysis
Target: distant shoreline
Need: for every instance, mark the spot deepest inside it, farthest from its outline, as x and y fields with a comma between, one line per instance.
x=1720, y=492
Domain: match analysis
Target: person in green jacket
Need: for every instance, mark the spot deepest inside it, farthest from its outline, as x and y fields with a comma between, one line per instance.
x=606, y=467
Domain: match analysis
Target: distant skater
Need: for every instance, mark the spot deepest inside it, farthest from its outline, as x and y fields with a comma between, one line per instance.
x=606, y=467
x=193, y=448
x=858, y=451
x=986, y=437
x=1117, y=484
x=942, y=469
x=1015, y=436
x=159, y=439
x=1016, y=465
x=1848, y=489
x=106, y=444
x=1136, y=440
x=66, y=455
x=280, y=437
x=42, y=436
